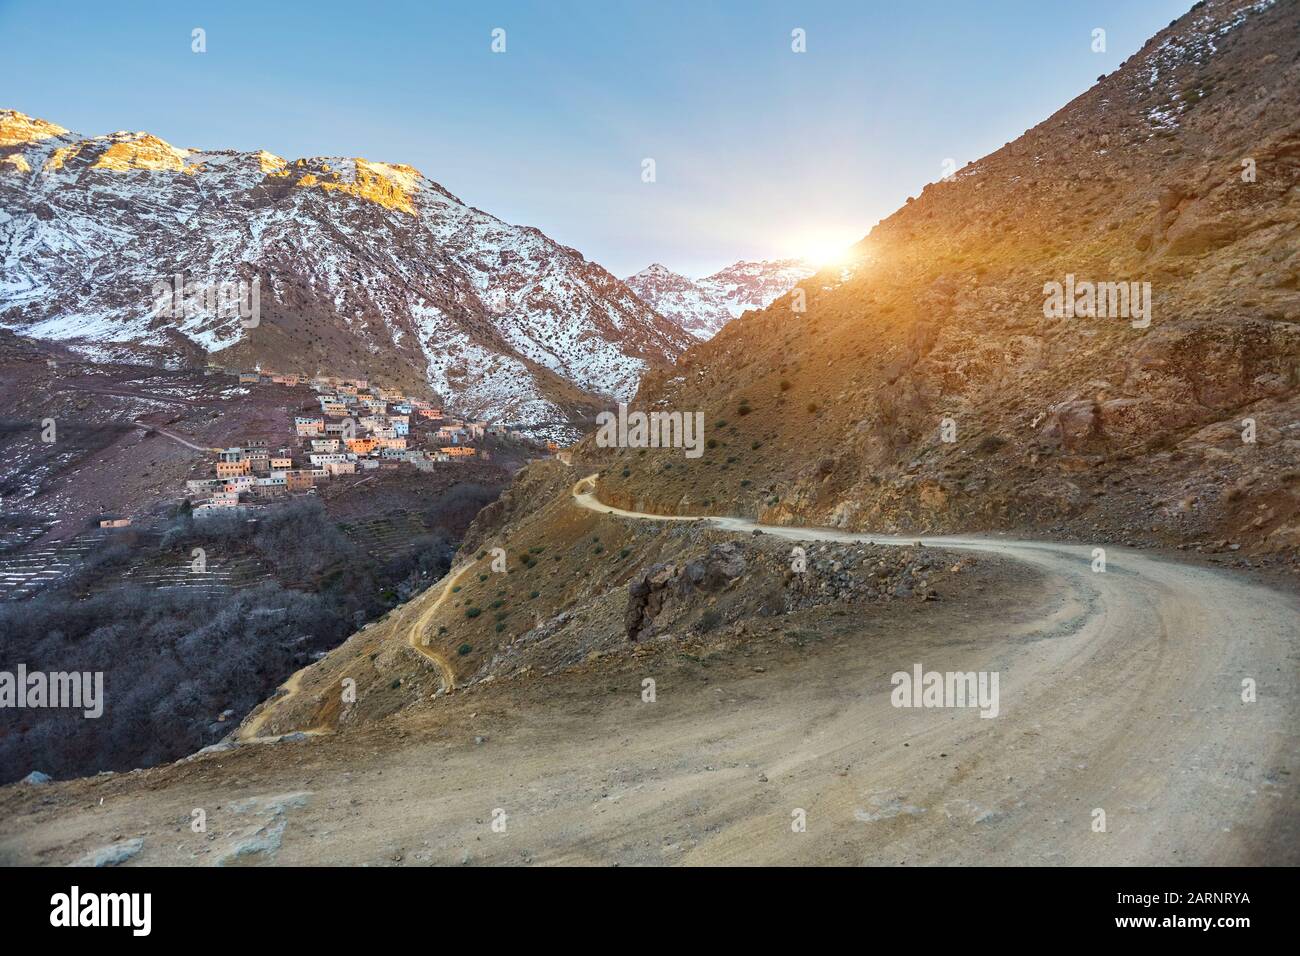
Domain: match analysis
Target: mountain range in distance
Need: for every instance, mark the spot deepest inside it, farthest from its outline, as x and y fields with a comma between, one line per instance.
x=702, y=307
x=363, y=268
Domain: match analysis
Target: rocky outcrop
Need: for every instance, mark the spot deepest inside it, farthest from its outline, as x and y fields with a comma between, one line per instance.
x=653, y=588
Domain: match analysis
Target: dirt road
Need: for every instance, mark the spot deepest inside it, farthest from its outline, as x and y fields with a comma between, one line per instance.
x=1120, y=692
x=179, y=439
x=250, y=732
x=418, y=633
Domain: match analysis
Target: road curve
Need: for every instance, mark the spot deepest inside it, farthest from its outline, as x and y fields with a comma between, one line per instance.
x=249, y=732
x=1127, y=698
x=416, y=635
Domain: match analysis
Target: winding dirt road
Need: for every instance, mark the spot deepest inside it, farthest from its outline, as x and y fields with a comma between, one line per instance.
x=419, y=631
x=1121, y=693
x=250, y=732
x=1140, y=671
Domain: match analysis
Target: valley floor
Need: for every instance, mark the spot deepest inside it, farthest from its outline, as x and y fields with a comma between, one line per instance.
x=1119, y=691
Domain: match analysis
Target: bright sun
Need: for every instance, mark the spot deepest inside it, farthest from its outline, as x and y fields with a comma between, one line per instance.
x=826, y=254
x=826, y=250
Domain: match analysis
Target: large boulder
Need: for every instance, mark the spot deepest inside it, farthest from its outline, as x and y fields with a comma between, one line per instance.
x=649, y=592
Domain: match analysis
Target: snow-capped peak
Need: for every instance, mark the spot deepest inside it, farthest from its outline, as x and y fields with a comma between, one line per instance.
x=703, y=306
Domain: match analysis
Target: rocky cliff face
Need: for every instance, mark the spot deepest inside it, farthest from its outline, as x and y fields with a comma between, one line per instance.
x=362, y=268
x=703, y=306
x=1093, y=330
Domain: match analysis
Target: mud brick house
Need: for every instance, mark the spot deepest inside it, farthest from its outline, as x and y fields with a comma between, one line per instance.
x=321, y=461
x=229, y=469
x=271, y=486
x=298, y=480
x=258, y=460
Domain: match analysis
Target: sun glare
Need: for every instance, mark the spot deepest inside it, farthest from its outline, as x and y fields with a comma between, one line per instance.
x=825, y=248
x=826, y=254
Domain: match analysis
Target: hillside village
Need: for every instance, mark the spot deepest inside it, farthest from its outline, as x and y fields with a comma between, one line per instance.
x=360, y=428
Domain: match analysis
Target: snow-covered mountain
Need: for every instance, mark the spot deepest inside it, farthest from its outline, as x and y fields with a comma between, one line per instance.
x=703, y=306
x=363, y=268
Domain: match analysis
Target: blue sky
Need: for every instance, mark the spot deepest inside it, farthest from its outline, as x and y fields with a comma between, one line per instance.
x=760, y=152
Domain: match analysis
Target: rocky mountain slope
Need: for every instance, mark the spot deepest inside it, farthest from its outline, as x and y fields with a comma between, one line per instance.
x=703, y=306
x=363, y=268
x=938, y=387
